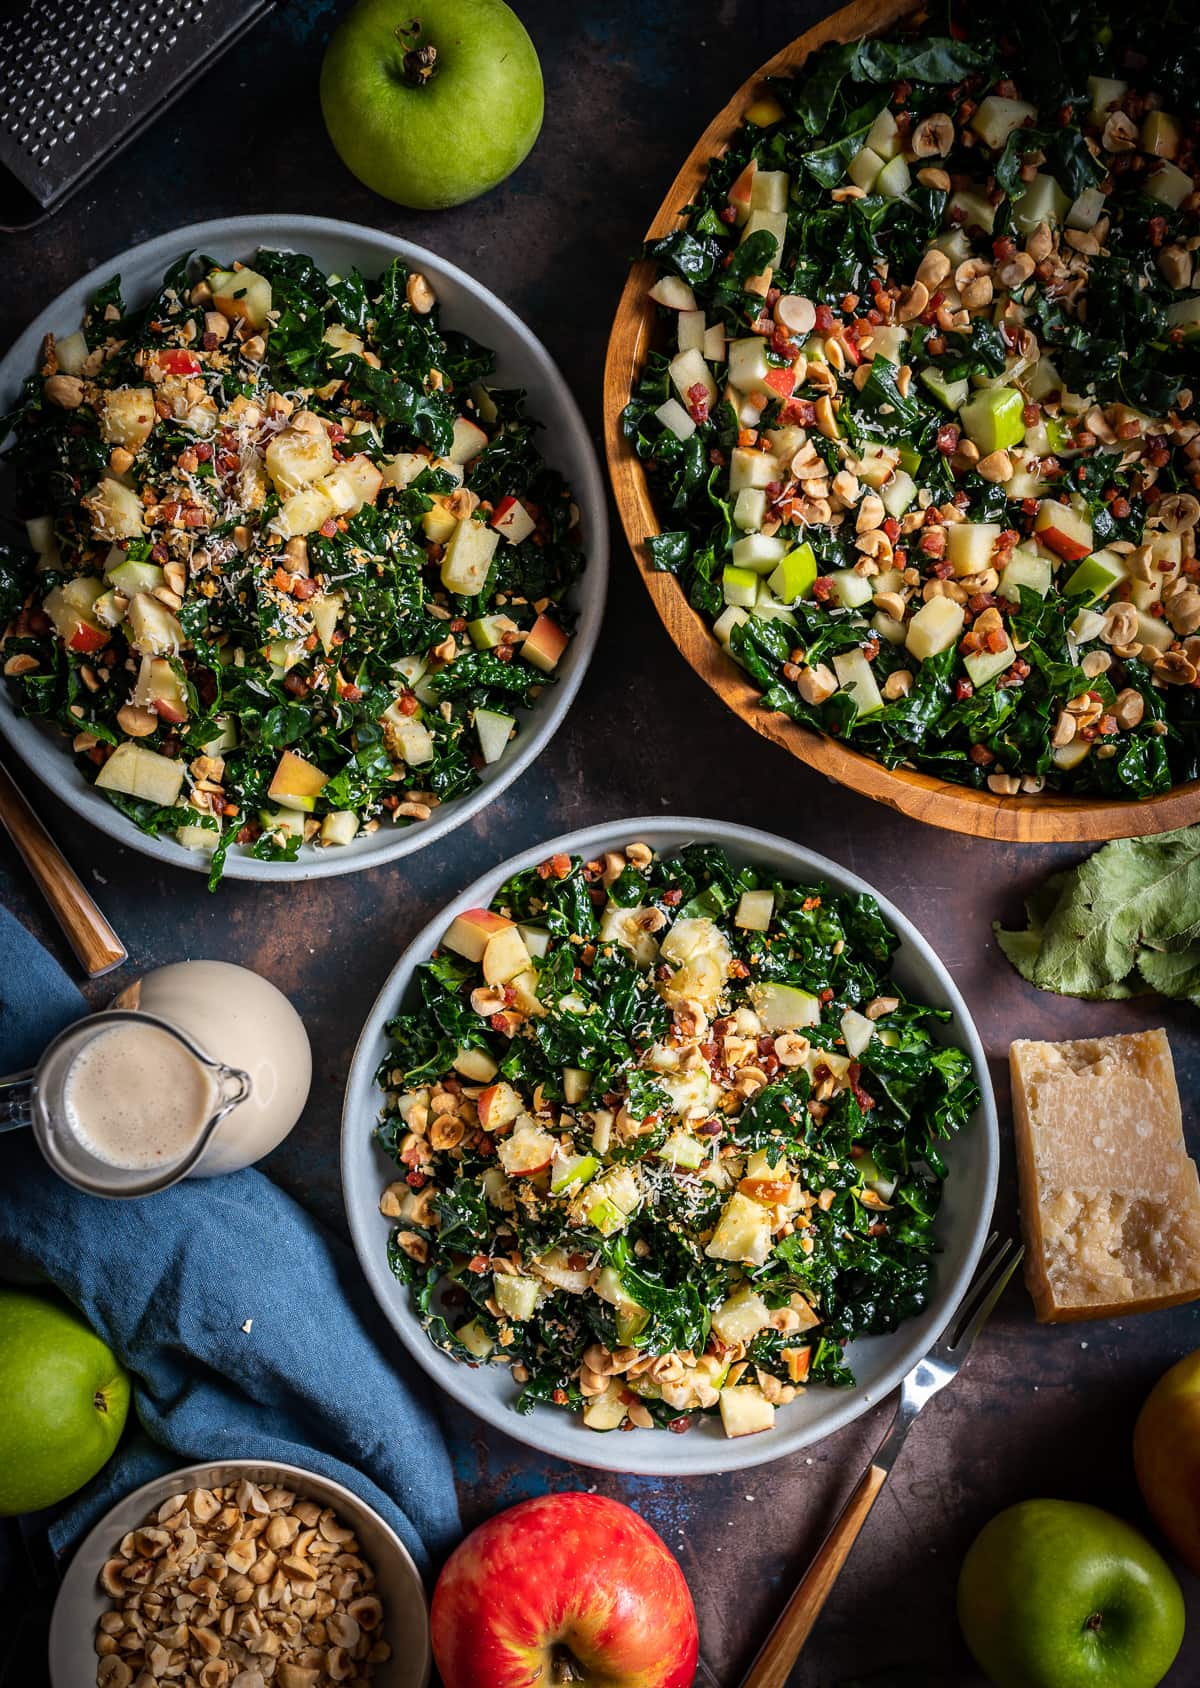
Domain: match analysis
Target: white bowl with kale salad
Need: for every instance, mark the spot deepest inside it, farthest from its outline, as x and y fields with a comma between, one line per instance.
x=918, y=421
x=301, y=579
x=669, y=1127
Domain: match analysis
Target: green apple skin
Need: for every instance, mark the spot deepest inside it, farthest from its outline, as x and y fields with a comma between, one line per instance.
x=1055, y=1594
x=452, y=137
x=64, y=1397
x=1166, y=1457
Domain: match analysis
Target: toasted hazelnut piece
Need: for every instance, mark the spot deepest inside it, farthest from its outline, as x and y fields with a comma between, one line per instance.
x=66, y=391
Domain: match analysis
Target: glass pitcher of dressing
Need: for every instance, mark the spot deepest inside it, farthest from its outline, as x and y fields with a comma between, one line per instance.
x=198, y=1068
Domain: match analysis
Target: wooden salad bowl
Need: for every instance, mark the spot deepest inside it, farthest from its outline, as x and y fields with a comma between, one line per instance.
x=1046, y=818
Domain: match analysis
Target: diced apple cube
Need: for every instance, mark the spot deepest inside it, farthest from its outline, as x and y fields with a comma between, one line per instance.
x=674, y=293
x=505, y=956
x=741, y=1317
x=296, y=783
x=984, y=666
x=115, y=510
x=856, y=678
x=126, y=416
x=606, y=1411
x=691, y=331
x=544, y=644
x=71, y=353
x=850, y=588
x=469, y=440
x=935, y=626
x=1042, y=202
x=160, y=688
x=969, y=545
x=339, y=827
x=750, y=468
x=476, y=1065
x=1064, y=530
x=297, y=456
x=769, y=190
x=675, y=418
x=774, y=222
x=714, y=343
x=784, y=1008
x=153, y=630
x=750, y=509
x=883, y=137
x=754, y=911
x=626, y=926
x=499, y=1105
x=517, y=1296
x=475, y=1340
x=326, y=610
x=468, y=558
x=688, y=371
x=242, y=295
x=743, y=1232
x=494, y=731
x=401, y=469
x=895, y=179
x=745, y=1411
x=741, y=191
x=528, y=1151
x=997, y=117
x=138, y=772
x=1026, y=570
x=757, y=552
x=1168, y=184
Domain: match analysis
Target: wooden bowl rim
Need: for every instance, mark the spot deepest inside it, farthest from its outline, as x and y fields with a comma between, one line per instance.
x=1047, y=818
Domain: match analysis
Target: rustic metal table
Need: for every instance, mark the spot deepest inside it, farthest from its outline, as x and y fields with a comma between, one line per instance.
x=1038, y=1411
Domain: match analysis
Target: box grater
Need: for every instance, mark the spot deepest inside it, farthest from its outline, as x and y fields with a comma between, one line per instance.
x=79, y=79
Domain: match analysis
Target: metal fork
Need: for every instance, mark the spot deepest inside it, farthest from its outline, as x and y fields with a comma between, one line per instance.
x=782, y=1647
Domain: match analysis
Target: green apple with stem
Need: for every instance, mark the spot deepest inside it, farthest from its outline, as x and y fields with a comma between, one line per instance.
x=431, y=102
x=1055, y=1594
x=64, y=1397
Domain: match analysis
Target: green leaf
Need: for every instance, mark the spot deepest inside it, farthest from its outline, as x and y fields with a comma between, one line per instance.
x=1133, y=906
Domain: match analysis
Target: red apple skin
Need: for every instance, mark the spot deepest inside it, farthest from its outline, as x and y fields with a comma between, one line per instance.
x=1070, y=550
x=86, y=637
x=544, y=644
x=1166, y=1457
x=781, y=381
x=572, y=1569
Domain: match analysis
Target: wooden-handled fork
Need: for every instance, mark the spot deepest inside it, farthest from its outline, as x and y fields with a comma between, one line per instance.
x=783, y=1645
x=91, y=937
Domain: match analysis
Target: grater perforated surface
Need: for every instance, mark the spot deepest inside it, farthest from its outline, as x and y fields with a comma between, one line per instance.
x=78, y=78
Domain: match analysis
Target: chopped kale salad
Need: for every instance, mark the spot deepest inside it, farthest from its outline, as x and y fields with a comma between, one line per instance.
x=669, y=1136
x=923, y=433
x=294, y=566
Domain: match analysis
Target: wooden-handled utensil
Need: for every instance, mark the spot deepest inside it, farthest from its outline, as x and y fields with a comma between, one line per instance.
x=91, y=937
x=782, y=1647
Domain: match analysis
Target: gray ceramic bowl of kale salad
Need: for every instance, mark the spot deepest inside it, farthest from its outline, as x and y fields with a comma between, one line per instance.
x=301, y=583
x=920, y=431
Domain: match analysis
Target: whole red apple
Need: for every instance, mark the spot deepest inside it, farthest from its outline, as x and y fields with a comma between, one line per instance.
x=1166, y=1456
x=564, y=1583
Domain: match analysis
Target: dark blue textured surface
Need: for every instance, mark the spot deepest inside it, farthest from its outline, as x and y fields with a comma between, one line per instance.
x=630, y=83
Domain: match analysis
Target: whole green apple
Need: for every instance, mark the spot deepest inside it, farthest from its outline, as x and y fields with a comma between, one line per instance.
x=63, y=1400
x=1166, y=1457
x=1054, y=1594
x=431, y=102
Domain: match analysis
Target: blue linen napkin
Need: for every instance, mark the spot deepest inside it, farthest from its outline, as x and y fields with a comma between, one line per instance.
x=170, y=1280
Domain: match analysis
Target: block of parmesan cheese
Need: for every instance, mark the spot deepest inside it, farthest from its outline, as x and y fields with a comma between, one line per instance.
x=1110, y=1201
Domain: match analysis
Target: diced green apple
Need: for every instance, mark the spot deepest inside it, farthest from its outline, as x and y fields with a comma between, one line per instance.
x=132, y=577
x=741, y=1316
x=202, y=838
x=688, y=370
x=883, y=136
x=714, y=343
x=494, y=731
x=1161, y=134
x=517, y=1296
x=1095, y=577
x=749, y=509
x=888, y=627
x=758, y=552
x=691, y=331
x=571, y=1172
x=339, y=827
x=952, y=394
x=850, y=588
x=856, y=678
x=743, y=1232
x=475, y=1340
x=784, y=1008
x=983, y=666
x=769, y=190
x=888, y=342
x=1168, y=184
x=752, y=469
x=775, y=223
x=1068, y=756
x=673, y=292
x=898, y=493
x=973, y=210
x=969, y=546
x=994, y=419
x=895, y=179
x=468, y=558
x=857, y=1031
x=138, y=772
x=1042, y=202
x=745, y=1411
x=576, y=1080
x=936, y=625
x=153, y=630
x=864, y=168
x=612, y=1200
x=681, y=1149
x=675, y=419
x=754, y=911
x=739, y=586
x=730, y=617
x=1024, y=569
x=795, y=574
x=997, y=117
x=476, y=1065
x=411, y=736
x=1106, y=91
x=1154, y=632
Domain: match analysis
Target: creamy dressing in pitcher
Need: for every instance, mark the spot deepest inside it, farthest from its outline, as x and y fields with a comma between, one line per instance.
x=135, y=1097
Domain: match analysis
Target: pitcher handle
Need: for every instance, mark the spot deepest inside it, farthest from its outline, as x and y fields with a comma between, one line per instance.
x=16, y=1100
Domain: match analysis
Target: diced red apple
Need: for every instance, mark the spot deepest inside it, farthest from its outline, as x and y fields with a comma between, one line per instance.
x=674, y=293
x=526, y=1152
x=159, y=688
x=505, y=956
x=1061, y=527
x=73, y=622
x=469, y=440
x=544, y=644
x=498, y=1106
x=512, y=520
x=742, y=191
x=781, y=382
x=468, y=933
x=296, y=783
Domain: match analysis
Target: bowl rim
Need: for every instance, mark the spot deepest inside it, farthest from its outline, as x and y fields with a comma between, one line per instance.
x=76, y=1585
x=30, y=739
x=643, y=1453
x=1049, y=817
